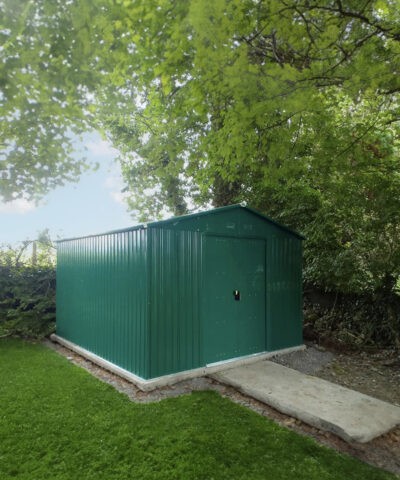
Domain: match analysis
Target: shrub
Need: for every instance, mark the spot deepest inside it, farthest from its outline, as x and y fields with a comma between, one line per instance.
x=27, y=290
x=356, y=321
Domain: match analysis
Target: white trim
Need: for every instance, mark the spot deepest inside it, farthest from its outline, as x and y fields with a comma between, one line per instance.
x=153, y=383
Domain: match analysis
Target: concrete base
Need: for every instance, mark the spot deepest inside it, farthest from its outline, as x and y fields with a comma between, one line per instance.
x=351, y=415
x=153, y=383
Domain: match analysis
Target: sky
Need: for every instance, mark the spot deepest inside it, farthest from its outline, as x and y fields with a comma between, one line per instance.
x=93, y=205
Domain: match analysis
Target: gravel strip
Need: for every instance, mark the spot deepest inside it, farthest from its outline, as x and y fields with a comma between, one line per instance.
x=309, y=361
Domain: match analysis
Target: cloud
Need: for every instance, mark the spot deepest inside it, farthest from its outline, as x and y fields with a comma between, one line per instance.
x=102, y=148
x=19, y=206
x=115, y=184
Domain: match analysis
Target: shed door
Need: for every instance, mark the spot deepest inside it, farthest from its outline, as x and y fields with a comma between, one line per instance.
x=233, y=297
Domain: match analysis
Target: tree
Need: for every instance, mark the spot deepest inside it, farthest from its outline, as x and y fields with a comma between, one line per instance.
x=229, y=87
x=290, y=105
x=47, y=80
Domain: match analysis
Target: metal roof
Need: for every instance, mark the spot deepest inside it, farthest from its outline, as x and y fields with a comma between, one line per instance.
x=182, y=218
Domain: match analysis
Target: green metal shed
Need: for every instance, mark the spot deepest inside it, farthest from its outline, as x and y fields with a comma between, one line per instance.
x=179, y=297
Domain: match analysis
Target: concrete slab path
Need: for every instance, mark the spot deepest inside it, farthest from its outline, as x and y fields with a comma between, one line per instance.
x=351, y=415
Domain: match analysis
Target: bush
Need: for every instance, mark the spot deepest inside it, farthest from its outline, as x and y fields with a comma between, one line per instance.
x=356, y=321
x=27, y=291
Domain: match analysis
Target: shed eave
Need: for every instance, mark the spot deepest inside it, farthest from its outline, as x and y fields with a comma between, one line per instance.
x=141, y=226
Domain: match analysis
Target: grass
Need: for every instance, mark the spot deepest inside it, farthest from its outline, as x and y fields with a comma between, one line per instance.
x=59, y=422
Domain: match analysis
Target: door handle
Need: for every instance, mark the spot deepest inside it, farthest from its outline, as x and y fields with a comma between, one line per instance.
x=236, y=295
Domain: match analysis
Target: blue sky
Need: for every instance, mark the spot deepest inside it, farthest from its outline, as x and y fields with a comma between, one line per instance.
x=94, y=204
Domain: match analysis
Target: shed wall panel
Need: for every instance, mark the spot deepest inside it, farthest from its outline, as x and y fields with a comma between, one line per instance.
x=175, y=263
x=283, y=267
x=284, y=292
x=102, y=297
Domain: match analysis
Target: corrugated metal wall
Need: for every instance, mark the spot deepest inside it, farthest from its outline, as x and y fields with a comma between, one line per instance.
x=102, y=297
x=284, y=316
x=284, y=292
x=175, y=274
x=133, y=297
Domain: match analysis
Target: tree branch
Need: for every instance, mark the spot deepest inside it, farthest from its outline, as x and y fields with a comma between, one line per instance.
x=356, y=15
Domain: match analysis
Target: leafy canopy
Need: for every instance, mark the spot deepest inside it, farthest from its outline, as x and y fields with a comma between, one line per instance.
x=46, y=87
x=290, y=105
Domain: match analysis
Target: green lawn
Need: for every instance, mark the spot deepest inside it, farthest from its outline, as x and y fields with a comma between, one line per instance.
x=58, y=422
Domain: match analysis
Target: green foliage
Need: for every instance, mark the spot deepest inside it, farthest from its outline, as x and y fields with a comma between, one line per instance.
x=59, y=422
x=45, y=84
x=27, y=290
x=291, y=106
